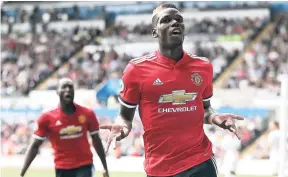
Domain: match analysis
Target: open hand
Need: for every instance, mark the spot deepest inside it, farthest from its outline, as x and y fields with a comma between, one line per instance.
x=117, y=132
x=227, y=121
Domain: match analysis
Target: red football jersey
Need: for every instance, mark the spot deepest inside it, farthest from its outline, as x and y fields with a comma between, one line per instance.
x=68, y=135
x=170, y=97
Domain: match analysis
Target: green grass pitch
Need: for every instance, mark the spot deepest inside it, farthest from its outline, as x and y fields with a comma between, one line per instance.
x=14, y=172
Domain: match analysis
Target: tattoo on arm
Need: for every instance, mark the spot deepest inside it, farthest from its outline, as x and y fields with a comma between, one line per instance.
x=126, y=116
x=208, y=111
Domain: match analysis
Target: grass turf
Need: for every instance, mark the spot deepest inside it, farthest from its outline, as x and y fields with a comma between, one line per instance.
x=14, y=172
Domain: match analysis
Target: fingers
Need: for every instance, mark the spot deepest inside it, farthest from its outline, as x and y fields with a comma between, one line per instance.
x=228, y=123
x=234, y=130
x=121, y=136
x=234, y=116
x=110, y=138
x=113, y=138
x=236, y=133
x=114, y=143
x=117, y=132
x=110, y=141
x=109, y=127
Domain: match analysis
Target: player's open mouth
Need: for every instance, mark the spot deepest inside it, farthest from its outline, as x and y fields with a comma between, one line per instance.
x=176, y=32
x=68, y=96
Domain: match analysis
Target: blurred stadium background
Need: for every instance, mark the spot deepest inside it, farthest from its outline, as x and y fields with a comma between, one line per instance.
x=91, y=42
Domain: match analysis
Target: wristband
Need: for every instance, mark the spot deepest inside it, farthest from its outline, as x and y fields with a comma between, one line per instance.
x=213, y=115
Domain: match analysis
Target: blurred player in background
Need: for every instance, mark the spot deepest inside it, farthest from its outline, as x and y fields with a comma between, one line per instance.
x=231, y=147
x=66, y=127
x=274, y=140
x=173, y=91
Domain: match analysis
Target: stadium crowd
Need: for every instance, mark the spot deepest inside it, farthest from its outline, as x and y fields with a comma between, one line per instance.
x=94, y=67
x=50, y=14
x=245, y=27
x=266, y=62
x=16, y=136
x=28, y=59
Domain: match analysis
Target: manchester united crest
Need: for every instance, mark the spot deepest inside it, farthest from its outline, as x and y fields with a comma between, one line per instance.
x=196, y=79
x=81, y=119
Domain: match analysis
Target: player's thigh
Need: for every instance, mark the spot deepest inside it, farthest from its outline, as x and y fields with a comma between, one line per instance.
x=86, y=171
x=205, y=169
x=65, y=173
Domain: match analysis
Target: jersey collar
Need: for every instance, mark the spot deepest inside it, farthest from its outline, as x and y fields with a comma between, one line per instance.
x=162, y=59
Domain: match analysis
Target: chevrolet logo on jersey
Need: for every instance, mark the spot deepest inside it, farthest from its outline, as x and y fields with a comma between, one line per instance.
x=70, y=130
x=178, y=97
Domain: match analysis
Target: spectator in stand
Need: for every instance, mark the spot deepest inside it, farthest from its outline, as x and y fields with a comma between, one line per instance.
x=28, y=59
x=266, y=62
x=15, y=137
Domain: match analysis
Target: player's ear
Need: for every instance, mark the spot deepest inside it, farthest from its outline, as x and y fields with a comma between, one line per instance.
x=154, y=33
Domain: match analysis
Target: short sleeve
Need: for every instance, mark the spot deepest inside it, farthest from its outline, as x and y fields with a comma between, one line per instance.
x=129, y=95
x=208, y=92
x=93, y=124
x=41, y=130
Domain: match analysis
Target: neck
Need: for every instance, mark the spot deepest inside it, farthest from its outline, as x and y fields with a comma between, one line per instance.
x=67, y=107
x=175, y=53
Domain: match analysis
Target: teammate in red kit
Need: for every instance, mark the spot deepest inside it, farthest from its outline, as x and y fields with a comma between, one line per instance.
x=66, y=127
x=172, y=89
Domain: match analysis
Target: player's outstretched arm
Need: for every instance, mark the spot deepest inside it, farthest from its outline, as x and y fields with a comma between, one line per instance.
x=121, y=128
x=225, y=120
x=31, y=154
x=97, y=143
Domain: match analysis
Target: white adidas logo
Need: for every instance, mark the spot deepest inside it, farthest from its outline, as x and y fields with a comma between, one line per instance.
x=58, y=123
x=157, y=82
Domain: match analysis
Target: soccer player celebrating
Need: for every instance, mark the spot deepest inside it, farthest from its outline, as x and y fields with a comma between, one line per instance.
x=66, y=127
x=172, y=89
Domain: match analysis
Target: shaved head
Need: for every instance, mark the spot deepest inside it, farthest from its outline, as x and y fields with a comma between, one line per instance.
x=159, y=9
x=65, y=80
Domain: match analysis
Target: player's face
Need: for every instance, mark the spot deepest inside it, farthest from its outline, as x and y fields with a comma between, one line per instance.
x=169, y=28
x=66, y=91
